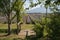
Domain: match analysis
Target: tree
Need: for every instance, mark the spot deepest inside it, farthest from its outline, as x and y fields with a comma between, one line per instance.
x=47, y=3
x=31, y=3
x=34, y=4
x=54, y=24
x=18, y=7
x=5, y=8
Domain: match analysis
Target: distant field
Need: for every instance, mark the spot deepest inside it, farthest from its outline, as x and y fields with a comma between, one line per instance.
x=13, y=26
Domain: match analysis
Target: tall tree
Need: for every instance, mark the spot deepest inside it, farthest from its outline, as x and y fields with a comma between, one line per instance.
x=18, y=7
x=5, y=8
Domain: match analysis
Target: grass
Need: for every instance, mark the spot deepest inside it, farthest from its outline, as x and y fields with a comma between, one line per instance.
x=13, y=26
x=11, y=37
x=4, y=27
x=27, y=26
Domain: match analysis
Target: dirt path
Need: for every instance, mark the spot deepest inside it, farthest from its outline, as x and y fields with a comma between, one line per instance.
x=23, y=33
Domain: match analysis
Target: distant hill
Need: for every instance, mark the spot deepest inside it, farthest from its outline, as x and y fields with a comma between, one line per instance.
x=38, y=9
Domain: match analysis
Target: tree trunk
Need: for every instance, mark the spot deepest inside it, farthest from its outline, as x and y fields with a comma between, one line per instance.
x=46, y=16
x=9, y=23
x=17, y=27
x=18, y=24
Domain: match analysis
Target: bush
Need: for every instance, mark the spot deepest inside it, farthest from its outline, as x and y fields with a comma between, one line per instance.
x=41, y=27
x=54, y=26
x=39, y=30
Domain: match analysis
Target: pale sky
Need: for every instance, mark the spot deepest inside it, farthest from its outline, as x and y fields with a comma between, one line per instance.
x=27, y=3
x=37, y=9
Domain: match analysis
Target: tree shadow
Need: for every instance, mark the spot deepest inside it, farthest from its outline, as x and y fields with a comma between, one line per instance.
x=4, y=32
x=18, y=39
x=5, y=35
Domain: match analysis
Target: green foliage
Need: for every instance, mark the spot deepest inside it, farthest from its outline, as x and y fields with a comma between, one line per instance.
x=54, y=25
x=41, y=27
x=51, y=28
x=38, y=29
x=5, y=6
x=47, y=2
x=31, y=3
x=18, y=7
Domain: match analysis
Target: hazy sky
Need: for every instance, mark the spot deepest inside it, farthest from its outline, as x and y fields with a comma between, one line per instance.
x=27, y=3
x=37, y=9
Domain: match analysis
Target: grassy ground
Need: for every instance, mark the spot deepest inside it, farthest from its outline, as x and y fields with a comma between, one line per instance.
x=27, y=26
x=4, y=27
x=13, y=26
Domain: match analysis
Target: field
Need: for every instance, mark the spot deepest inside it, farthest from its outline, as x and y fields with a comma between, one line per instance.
x=13, y=26
x=13, y=36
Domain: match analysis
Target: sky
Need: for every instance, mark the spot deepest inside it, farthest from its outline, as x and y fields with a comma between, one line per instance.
x=37, y=9
x=27, y=3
